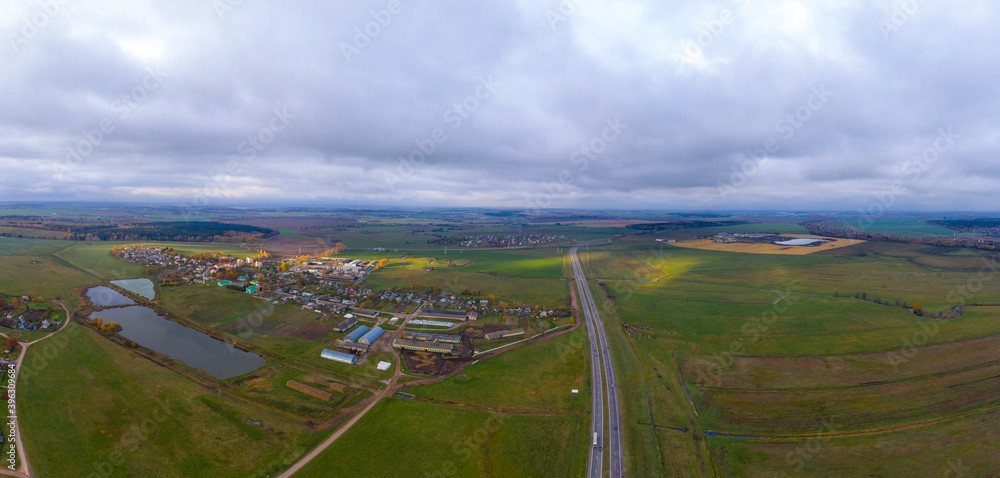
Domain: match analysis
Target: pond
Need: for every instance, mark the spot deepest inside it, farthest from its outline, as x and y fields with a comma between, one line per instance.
x=148, y=329
x=143, y=287
x=800, y=242
x=107, y=297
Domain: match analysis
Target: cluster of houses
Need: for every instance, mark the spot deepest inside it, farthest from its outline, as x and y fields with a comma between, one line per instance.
x=309, y=285
x=192, y=270
x=502, y=240
x=28, y=320
x=731, y=237
x=336, y=268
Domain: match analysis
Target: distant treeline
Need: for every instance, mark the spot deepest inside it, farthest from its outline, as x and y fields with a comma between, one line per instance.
x=206, y=231
x=659, y=226
x=831, y=229
x=201, y=231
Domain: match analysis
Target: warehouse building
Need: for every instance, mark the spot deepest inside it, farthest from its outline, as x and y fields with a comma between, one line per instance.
x=343, y=326
x=422, y=346
x=357, y=334
x=371, y=336
x=504, y=333
x=446, y=338
x=444, y=314
x=338, y=356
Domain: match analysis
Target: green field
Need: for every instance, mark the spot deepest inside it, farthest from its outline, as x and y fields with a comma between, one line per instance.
x=11, y=245
x=735, y=365
x=160, y=423
x=54, y=268
x=537, y=376
x=769, y=346
x=426, y=439
x=899, y=226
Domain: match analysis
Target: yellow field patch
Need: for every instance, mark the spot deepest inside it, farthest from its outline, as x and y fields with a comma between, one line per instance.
x=761, y=248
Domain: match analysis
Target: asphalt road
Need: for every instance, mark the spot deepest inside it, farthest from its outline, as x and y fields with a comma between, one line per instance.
x=602, y=386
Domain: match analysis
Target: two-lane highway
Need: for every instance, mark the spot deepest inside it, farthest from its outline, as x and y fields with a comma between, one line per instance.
x=602, y=385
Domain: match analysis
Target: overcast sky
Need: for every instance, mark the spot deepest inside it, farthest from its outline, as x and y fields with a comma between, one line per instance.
x=523, y=104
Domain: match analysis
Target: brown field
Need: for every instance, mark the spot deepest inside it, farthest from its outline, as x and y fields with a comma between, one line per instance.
x=288, y=246
x=708, y=244
x=311, y=331
x=425, y=363
x=301, y=317
x=326, y=382
x=311, y=391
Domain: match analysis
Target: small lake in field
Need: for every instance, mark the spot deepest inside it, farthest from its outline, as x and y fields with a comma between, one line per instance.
x=107, y=297
x=143, y=287
x=801, y=242
x=150, y=330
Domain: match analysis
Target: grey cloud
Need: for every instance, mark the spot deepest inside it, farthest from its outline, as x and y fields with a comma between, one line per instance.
x=690, y=125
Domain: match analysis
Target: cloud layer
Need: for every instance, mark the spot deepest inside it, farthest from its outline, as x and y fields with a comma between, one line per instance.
x=636, y=104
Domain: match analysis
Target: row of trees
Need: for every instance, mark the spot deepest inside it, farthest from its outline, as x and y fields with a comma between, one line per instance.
x=109, y=328
x=333, y=251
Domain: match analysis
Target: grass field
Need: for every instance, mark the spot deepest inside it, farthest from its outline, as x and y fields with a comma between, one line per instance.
x=537, y=376
x=900, y=226
x=963, y=447
x=765, y=345
x=160, y=424
x=426, y=439
x=765, y=348
x=11, y=245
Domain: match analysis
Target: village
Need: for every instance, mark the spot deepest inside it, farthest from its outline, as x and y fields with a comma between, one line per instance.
x=332, y=287
x=500, y=240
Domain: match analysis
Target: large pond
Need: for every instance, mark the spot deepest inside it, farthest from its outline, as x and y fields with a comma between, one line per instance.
x=801, y=242
x=143, y=287
x=148, y=329
x=107, y=297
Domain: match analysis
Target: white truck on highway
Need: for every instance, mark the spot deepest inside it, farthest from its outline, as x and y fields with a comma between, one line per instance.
x=595, y=438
